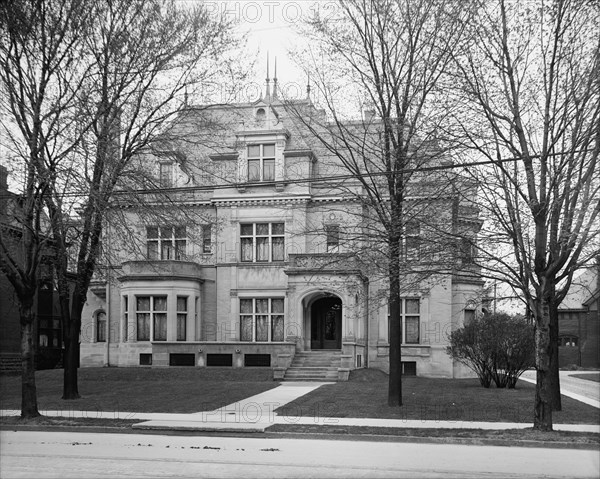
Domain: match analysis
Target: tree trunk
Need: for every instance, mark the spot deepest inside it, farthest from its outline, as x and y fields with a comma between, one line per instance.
x=542, y=419
x=71, y=358
x=29, y=405
x=395, y=339
x=554, y=360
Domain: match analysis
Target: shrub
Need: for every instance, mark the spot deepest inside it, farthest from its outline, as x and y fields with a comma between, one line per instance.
x=497, y=347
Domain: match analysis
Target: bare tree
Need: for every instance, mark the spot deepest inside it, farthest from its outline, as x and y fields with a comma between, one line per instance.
x=145, y=56
x=531, y=106
x=390, y=58
x=39, y=56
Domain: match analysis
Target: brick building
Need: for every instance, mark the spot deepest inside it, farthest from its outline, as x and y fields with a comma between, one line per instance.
x=579, y=332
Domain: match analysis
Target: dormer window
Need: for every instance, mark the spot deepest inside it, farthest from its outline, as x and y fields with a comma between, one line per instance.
x=261, y=114
x=261, y=162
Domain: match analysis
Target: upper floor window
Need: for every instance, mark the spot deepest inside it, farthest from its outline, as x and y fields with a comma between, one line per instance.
x=410, y=316
x=412, y=241
x=261, y=162
x=206, y=238
x=262, y=242
x=333, y=237
x=165, y=175
x=166, y=242
x=467, y=251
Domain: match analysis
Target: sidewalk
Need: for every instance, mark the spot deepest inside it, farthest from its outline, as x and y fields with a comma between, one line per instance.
x=257, y=413
x=583, y=390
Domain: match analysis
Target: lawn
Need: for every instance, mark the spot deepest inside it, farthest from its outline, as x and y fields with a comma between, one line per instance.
x=189, y=390
x=170, y=390
x=365, y=395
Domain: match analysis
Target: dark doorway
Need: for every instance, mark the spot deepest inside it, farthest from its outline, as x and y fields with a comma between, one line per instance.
x=326, y=323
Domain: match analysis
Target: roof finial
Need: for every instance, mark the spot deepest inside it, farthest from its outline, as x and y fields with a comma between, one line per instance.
x=185, y=97
x=268, y=92
x=308, y=87
x=275, y=81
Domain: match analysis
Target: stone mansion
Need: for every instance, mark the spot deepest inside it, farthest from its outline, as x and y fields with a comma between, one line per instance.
x=249, y=264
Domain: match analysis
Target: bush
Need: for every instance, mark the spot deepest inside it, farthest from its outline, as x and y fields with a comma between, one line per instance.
x=497, y=347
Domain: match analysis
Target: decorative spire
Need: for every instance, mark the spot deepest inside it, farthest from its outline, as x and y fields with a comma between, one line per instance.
x=275, y=81
x=268, y=92
x=308, y=87
x=185, y=97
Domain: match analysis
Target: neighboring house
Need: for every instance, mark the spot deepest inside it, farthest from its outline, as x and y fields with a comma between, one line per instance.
x=48, y=327
x=578, y=319
x=254, y=271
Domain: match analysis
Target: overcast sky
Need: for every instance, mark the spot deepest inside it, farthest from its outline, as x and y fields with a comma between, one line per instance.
x=271, y=27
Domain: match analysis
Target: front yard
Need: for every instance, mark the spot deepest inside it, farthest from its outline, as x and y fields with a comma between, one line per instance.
x=170, y=390
x=190, y=390
x=365, y=395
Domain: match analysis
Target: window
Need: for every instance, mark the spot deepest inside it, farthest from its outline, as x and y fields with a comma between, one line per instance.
x=466, y=251
x=151, y=311
x=333, y=237
x=181, y=317
x=125, y=317
x=261, y=319
x=166, y=242
x=262, y=242
x=165, y=175
x=101, y=327
x=145, y=359
x=568, y=341
x=206, y=239
x=412, y=242
x=261, y=162
x=410, y=315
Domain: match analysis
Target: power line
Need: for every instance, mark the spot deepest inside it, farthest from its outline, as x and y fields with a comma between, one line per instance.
x=325, y=179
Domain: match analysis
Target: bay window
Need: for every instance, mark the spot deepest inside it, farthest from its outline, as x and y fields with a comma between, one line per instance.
x=151, y=313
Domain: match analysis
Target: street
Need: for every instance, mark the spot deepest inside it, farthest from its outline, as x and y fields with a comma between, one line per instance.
x=87, y=455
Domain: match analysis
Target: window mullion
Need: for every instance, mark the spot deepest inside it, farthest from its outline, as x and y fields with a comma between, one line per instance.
x=254, y=316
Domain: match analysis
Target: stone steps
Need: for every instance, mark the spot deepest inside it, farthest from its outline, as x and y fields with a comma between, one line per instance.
x=314, y=366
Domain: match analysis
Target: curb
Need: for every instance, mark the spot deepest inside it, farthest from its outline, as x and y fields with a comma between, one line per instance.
x=437, y=440
x=308, y=436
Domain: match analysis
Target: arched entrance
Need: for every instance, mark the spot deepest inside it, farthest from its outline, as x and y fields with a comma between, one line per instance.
x=326, y=323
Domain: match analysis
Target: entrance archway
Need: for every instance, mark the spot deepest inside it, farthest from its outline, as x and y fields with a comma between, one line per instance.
x=326, y=323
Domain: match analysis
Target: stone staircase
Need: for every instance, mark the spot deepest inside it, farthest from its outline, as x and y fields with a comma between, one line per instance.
x=319, y=365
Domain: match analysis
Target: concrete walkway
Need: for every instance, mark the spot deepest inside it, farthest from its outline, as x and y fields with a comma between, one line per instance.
x=583, y=390
x=256, y=413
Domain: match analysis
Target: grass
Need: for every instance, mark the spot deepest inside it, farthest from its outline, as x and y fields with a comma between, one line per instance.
x=589, y=377
x=170, y=390
x=190, y=390
x=365, y=395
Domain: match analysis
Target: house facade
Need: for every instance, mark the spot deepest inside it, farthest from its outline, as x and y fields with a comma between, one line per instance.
x=579, y=321
x=48, y=329
x=253, y=260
